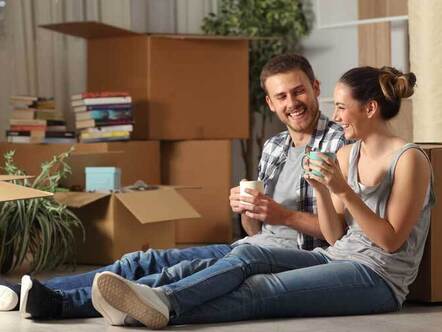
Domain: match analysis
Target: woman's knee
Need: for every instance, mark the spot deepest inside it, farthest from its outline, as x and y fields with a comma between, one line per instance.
x=248, y=252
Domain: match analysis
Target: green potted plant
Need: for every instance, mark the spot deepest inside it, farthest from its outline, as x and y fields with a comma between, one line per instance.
x=275, y=27
x=39, y=230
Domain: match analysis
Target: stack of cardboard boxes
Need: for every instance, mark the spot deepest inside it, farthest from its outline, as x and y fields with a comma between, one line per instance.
x=190, y=99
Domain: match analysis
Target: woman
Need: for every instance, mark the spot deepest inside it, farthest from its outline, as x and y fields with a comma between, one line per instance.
x=373, y=210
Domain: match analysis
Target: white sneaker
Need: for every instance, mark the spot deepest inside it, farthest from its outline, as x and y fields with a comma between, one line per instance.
x=26, y=285
x=117, y=298
x=8, y=298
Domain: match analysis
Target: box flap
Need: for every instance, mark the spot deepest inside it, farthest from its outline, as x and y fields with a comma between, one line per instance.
x=178, y=187
x=202, y=36
x=11, y=192
x=157, y=205
x=78, y=199
x=14, y=177
x=89, y=30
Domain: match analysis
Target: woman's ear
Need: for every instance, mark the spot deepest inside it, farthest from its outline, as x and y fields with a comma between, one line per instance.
x=372, y=108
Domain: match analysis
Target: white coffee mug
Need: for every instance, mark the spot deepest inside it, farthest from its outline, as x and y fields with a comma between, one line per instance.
x=243, y=185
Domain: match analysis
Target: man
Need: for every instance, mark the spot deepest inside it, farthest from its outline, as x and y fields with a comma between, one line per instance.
x=282, y=217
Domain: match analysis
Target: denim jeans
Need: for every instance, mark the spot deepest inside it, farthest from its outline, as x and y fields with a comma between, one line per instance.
x=153, y=268
x=255, y=282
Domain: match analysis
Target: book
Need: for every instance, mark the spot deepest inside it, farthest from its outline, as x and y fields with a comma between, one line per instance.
x=23, y=98
x=127, y=127
x=100, y=94
x=82, y=124
x=23, y=114
x=45, y=103
x=104, y=139
x=105, y=114
x=114, y=107
x=24, y=139
x=21, y=122
x=56, y=122
x=60, y=134
x=56, y=128
x=102, y=101
x=21, y=104
x=115, y=133
x=90, y=123
x=89, y=137
x=33, y=133
x=48, y=115
x=27, y=127
x=59, y=140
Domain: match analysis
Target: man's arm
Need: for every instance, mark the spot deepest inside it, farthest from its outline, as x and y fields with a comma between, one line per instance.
x=264, y=209
x=251, y=226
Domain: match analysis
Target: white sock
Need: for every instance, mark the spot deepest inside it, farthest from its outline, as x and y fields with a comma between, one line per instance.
x=163, y=297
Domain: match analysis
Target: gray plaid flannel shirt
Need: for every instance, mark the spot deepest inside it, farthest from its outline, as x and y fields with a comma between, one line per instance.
x=328, y=136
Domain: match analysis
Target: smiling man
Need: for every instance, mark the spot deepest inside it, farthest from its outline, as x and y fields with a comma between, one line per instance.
x=285, y=213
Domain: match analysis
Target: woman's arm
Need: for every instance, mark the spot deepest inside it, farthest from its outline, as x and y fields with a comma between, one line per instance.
x=330, y=207
x=407, y=197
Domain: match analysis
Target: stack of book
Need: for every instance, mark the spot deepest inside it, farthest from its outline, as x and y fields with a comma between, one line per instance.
x=103, y=116
x=35, y=120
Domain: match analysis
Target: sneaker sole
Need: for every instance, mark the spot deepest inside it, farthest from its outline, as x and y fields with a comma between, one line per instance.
x=8, y=299
x=26, y=285
x=105, y=310
x=118, y=294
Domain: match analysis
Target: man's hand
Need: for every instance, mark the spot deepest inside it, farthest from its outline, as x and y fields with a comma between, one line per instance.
x=235, y=203
x=263, y=208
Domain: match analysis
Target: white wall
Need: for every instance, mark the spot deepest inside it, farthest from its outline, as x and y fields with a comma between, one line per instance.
x=331, y=51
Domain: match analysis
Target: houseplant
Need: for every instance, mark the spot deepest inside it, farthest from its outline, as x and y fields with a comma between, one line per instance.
x=275, y=27
x=40, y=230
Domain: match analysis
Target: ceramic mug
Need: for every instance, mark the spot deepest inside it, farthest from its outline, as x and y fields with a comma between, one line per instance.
x=243, y=185
x=314, y=155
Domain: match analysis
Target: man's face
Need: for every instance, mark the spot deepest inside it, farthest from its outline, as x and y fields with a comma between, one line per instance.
x=293, y=97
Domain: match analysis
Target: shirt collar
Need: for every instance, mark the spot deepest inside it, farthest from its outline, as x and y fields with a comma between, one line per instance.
x=315, y=139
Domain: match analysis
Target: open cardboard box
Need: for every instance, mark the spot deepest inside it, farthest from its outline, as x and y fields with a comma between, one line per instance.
x=428, y=284
x=138, y=160
x=182, y=86
x=12, y=192
x=118, y=223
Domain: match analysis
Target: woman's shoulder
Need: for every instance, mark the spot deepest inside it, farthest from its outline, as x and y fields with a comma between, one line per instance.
x=343, y=156
x=344, y=151
x=413, y=161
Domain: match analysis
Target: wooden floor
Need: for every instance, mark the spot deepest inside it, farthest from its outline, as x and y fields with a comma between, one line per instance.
x=411, y=319
x=414, y=317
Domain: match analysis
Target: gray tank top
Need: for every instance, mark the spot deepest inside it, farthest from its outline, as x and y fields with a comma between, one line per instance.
x=398, y=269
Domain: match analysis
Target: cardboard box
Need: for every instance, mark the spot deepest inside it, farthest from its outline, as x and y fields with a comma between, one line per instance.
x=182, y=86
x=120, y=223
x=138, y=160
x=428, y=284
x=12, y=192
x=207, y=164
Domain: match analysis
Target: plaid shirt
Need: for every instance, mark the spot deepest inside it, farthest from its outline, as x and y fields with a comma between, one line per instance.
x=328, y=136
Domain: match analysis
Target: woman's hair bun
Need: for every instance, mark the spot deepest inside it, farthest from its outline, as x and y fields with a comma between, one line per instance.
x=395, y=84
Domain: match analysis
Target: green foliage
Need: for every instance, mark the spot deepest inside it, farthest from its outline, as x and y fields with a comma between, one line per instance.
x=275, y=26
x=41, y=230
x=279, y=23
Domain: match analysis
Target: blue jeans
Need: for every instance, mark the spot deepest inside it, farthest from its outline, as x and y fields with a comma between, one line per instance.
x=153, y=268
x=255, y=282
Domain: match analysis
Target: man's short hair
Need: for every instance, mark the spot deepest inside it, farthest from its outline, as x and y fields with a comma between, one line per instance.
x=284, y=63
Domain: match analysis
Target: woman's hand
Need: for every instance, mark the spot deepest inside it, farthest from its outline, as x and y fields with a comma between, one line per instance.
x=330, y=174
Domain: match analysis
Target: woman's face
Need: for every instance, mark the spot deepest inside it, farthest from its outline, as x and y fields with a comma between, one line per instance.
x=348, y=112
